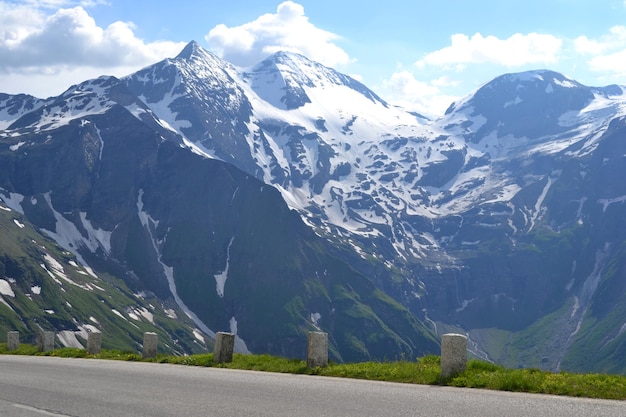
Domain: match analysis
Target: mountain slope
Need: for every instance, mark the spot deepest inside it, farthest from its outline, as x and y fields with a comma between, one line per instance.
x=97, y=172
x=536, y=240
x=501, y=219
x=43, y=287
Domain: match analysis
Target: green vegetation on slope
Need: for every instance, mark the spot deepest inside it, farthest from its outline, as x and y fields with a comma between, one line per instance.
x=50, y=290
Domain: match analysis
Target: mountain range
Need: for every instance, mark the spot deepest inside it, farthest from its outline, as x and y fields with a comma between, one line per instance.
x=287, y=197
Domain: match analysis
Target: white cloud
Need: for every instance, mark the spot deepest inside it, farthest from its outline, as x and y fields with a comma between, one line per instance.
x=517, y=50
x=608, y=54
x=72, y=37
x=615, y=39
x=610, y=63
x=288, y=29
x=65, y=43
x=403, y=89
x=43, y=50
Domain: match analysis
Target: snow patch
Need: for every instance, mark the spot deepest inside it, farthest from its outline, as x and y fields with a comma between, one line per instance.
x=67, y=235
x=16, y=146
x=564, y=83
x=315, y=317
x=537, y=209
x=606, y=202
x=198, y=335
x=589, y=288
x=97, y=237
x=68, y=339
x=5, y=288
x=465, y=304
x=517, y=101
x=132, y=315
x=146, y=314
x=233, y=325
x=13, y=201
x=220, y=278
x=35, y=289
x=56, y=269
x=117, y=313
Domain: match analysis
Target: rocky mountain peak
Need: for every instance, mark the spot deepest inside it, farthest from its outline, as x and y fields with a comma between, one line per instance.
x=195, y=56
x=293, y=73
x=190, y=50
x=525, y=89
x=523, y=105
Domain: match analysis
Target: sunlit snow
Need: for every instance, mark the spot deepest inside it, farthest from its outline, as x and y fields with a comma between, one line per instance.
x=606, y=202
x=16, y=146
x=12, y=201
x=5, y=288
x=220, y=278
x=68, y=339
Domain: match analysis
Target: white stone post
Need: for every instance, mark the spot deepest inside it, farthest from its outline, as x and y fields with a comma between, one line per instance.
x=94, y=343
x=453, y=354
x=317, y=349
x=13, y=341
x=224, y=346
x=46, y=341
x=150, y=341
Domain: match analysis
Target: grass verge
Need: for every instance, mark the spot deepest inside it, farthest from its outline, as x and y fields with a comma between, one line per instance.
x=426, y=370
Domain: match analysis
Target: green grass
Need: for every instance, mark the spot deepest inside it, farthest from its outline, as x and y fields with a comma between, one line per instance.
x=484, y=375
x=426, y=370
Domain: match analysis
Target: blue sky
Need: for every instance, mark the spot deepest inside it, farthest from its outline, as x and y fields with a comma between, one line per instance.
x=419, y=54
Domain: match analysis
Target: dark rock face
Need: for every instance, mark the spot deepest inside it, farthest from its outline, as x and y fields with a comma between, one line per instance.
x=288, y=197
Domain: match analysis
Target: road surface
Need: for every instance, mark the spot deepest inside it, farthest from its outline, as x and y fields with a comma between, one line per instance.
x=45, y=386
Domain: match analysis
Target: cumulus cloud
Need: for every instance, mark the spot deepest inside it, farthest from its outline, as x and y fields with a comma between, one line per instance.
x=517, y=50
x=615, y=39
x=71, y=37
x=37, y=42
x=608, y=53
x=288, y=29
x=425, y=97
x=612, y=63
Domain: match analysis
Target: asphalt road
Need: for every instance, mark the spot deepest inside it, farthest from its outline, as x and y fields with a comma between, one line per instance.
x=43, y=386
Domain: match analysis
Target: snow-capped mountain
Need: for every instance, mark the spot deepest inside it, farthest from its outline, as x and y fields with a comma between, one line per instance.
x=339, y=154
x=114, y=185
x=501, y=218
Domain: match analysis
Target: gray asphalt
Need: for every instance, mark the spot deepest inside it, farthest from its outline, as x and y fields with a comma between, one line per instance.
x=43, y=386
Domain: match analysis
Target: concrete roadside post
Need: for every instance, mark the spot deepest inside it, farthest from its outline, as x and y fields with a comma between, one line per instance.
x=13, y=340
x=150, y=341
x=45, y=341
x=224, y=346
x=94, y=343
x=317, y=349
x=453, y=354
